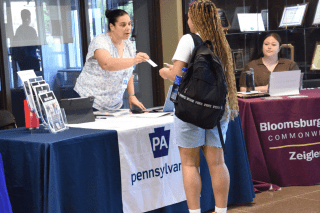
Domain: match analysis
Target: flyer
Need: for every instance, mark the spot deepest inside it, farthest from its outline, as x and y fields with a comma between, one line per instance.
x=39, y=88
x=53, y=115
x=32, y=100
x=29, y=95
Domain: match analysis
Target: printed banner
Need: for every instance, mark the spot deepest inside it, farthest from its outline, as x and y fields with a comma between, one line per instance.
x=290, y=139
x=152, y=184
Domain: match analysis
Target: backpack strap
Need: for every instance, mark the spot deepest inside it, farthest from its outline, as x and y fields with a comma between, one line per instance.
x=221, y=138
x=197, y=42
x=210, y=106
x=196, y=39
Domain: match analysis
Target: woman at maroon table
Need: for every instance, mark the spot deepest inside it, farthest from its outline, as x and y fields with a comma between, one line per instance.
x=267, y=61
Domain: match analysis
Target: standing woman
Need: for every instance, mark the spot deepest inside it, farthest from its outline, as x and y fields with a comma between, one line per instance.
x=107, y=72
x=203, y=19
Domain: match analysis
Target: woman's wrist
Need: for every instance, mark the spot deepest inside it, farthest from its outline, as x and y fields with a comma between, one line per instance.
x=134, y=61
x=131, y=94
x=166, y=72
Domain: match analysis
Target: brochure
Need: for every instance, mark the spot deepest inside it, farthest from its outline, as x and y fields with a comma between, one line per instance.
x=53, y=115
x=112, y=113
x=26, y=74
x=29, y=95
x=38, y=78
x=37, y=90
x=33, y=99
x=151, y=115
x=298, y=96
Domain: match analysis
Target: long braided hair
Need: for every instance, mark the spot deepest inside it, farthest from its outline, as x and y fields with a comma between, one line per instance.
x=207, y=23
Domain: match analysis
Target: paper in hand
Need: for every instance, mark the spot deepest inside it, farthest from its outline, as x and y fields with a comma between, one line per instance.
x=152, y=63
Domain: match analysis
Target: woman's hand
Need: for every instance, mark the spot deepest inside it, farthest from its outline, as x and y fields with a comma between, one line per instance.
x=262, y=88
x=133, y=100
x=140, y=57
x=164, y=71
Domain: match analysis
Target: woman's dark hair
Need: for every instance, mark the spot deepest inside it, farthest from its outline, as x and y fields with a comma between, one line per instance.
x=275, y=36
x=112, y=16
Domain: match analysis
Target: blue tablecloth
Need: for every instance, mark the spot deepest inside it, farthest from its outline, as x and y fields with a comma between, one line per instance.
x=5, y=205
x=78, y=170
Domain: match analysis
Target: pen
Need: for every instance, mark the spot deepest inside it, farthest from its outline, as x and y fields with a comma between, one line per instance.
x=101, y=117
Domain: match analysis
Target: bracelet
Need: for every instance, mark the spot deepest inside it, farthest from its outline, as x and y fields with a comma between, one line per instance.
x=131, y=94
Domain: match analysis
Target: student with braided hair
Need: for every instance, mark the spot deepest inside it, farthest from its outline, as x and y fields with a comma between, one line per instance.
x=203, y=19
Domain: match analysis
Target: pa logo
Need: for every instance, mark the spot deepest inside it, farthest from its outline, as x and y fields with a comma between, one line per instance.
x=160, y=142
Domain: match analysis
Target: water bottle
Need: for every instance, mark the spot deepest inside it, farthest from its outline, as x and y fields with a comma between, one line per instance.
x=250, y=80
x=176, y=84
x=184, y=69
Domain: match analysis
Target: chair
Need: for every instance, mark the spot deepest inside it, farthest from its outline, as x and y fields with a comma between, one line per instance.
x=7, y=120
x=288, y=51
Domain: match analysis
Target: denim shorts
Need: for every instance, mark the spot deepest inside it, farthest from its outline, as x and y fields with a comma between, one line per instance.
x=190, y=136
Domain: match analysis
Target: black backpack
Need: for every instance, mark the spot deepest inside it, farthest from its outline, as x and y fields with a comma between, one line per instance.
x=203, y=89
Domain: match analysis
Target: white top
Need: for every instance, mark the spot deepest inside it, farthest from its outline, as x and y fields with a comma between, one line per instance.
x=106, y=86
x=184, y=49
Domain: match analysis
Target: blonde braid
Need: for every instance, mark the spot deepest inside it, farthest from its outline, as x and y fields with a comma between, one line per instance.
x=207, y=23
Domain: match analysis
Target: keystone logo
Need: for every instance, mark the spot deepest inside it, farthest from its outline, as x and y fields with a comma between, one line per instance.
x=160, y=142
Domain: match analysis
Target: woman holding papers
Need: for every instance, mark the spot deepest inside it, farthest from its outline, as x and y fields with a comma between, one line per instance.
x=267, y=61
x=109, y=65
x=204, y=20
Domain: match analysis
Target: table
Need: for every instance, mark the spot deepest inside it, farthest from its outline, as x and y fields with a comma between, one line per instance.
x=78, y=170
x=282, y=138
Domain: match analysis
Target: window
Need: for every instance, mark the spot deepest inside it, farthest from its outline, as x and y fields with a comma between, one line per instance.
x=44, y=36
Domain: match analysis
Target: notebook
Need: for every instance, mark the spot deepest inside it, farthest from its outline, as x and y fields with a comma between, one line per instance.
x=78, y=110
x=285, y=83
x=252, y=94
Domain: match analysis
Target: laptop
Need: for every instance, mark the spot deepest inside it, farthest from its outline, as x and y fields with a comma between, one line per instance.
x=78, y=110
x=285, y=83
x=168, y=104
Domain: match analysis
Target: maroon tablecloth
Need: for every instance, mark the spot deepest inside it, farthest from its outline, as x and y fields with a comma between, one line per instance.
x=283, y=138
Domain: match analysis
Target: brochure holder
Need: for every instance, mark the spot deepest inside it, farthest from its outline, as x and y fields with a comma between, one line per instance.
x=31, y=120
x=41, y=104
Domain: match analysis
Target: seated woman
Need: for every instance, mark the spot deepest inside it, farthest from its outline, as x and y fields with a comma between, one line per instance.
x=267, y=61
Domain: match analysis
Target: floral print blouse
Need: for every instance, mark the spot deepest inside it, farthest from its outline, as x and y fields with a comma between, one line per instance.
x=106, y=86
